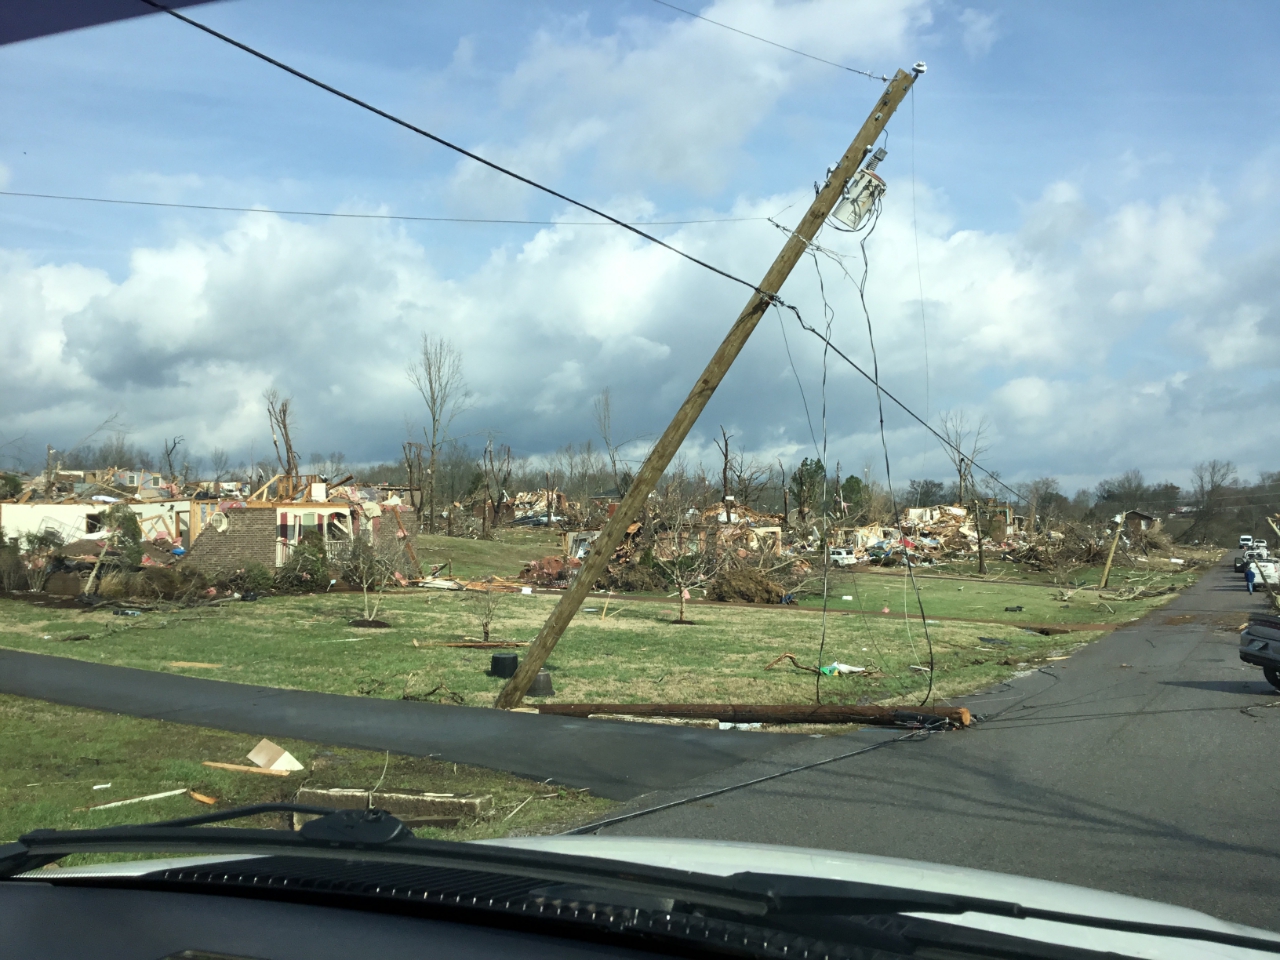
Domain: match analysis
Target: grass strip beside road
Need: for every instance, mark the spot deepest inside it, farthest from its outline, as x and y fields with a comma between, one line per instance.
x=52, y=756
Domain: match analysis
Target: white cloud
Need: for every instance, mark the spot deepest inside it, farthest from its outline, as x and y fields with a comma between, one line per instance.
x=980, y=32
x=671, y=102
x=329, y=312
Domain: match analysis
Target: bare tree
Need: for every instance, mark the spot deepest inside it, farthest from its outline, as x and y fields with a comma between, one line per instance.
x=280, y=414
x=438, y=377
x=1038, y=494
x=167, y=452
x=488, y=612
x=603, y=409
x=965, y=442
x=416, y=477
x=726, y=457
x=682, y=547
x=220, y=467
x=1210, y=481
x=372, y=563
x=496, y=464
x=747, y=479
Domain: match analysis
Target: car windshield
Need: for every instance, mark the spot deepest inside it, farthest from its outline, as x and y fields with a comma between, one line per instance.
x=648, y=426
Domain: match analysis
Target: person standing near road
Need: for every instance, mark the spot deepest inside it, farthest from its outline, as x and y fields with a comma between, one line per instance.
x=1250, y=575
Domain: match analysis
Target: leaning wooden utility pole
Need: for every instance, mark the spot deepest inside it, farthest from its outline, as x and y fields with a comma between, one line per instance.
x=669, y=443
x=1111, y=554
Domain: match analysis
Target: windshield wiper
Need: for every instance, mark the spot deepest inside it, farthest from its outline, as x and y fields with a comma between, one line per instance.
x=376, y=836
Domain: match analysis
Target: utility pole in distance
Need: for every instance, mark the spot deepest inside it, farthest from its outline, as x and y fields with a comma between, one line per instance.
x=669, y=443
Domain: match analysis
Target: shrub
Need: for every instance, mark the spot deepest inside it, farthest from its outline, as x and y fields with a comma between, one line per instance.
x=12, y=574
x=307, y=569
x=254, y=578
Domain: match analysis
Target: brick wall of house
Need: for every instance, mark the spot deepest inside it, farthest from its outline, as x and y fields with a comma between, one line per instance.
x=250, y=537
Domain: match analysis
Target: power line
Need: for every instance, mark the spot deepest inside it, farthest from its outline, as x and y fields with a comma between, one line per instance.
x=902, y=406
x=830, y=63
x=446, y=143
x=915, y=234
x=361, y=216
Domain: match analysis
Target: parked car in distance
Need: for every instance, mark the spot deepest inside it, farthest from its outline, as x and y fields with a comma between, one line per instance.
x=842, y=557
x=1245, y=540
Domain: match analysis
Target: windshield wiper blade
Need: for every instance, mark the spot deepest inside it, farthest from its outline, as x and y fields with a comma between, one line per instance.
x=791, y=894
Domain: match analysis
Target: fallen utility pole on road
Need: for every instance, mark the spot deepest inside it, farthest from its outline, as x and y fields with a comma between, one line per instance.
x=766, y=712
x=669, y=443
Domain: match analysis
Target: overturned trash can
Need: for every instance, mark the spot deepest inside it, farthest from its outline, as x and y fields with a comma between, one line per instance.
x=504, y=664
x=541, y=686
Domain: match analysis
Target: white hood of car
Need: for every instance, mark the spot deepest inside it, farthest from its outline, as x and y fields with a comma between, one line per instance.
x=721, y=858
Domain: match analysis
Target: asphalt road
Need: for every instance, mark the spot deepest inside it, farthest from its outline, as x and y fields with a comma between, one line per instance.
x=615, y=760
x=1145, y=764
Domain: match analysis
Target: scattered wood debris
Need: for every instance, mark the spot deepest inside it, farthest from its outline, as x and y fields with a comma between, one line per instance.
x=273, y=757
x=122, y=803
x=242, y=768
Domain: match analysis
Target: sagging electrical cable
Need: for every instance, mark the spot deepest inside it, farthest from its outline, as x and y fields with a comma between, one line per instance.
x=829, y=315
x=360, y=216
x=772, y=43
x=599, y=825
x=446, y=143
x=884, y=443
x=915, y=233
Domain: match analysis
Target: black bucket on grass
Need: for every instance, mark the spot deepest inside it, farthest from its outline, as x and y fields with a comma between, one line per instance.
x=541, y=686
x=504, y=664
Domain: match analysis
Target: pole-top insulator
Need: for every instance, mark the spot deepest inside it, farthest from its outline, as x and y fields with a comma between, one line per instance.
x=919, y=68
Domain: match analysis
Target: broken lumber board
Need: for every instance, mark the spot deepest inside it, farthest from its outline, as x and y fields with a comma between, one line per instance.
x=758, y=712
x=241, y=768
x=150, y=796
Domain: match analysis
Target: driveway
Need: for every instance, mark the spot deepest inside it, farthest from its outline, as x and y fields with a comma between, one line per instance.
x=1145, y=764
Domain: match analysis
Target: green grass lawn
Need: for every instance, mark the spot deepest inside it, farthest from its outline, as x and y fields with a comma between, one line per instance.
x=51, y=757
x=635, y=655
x=504, y=557
x=986, y=600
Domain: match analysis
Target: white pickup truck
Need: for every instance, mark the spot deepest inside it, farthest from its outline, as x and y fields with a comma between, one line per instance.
x=1266, y=571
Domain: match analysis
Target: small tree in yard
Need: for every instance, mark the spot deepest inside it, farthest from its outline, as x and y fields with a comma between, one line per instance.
x=37, y=557
x=488, y=611
x=371, y=565
x=683, y=547
x=807, y=488
x=12, y=573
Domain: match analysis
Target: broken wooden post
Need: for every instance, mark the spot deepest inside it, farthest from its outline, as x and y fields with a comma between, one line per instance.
x=977, y=523
x=1106, y=571
x=669, y=443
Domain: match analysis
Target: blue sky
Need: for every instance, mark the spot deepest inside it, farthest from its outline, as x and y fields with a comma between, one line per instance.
x=1095, y=191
